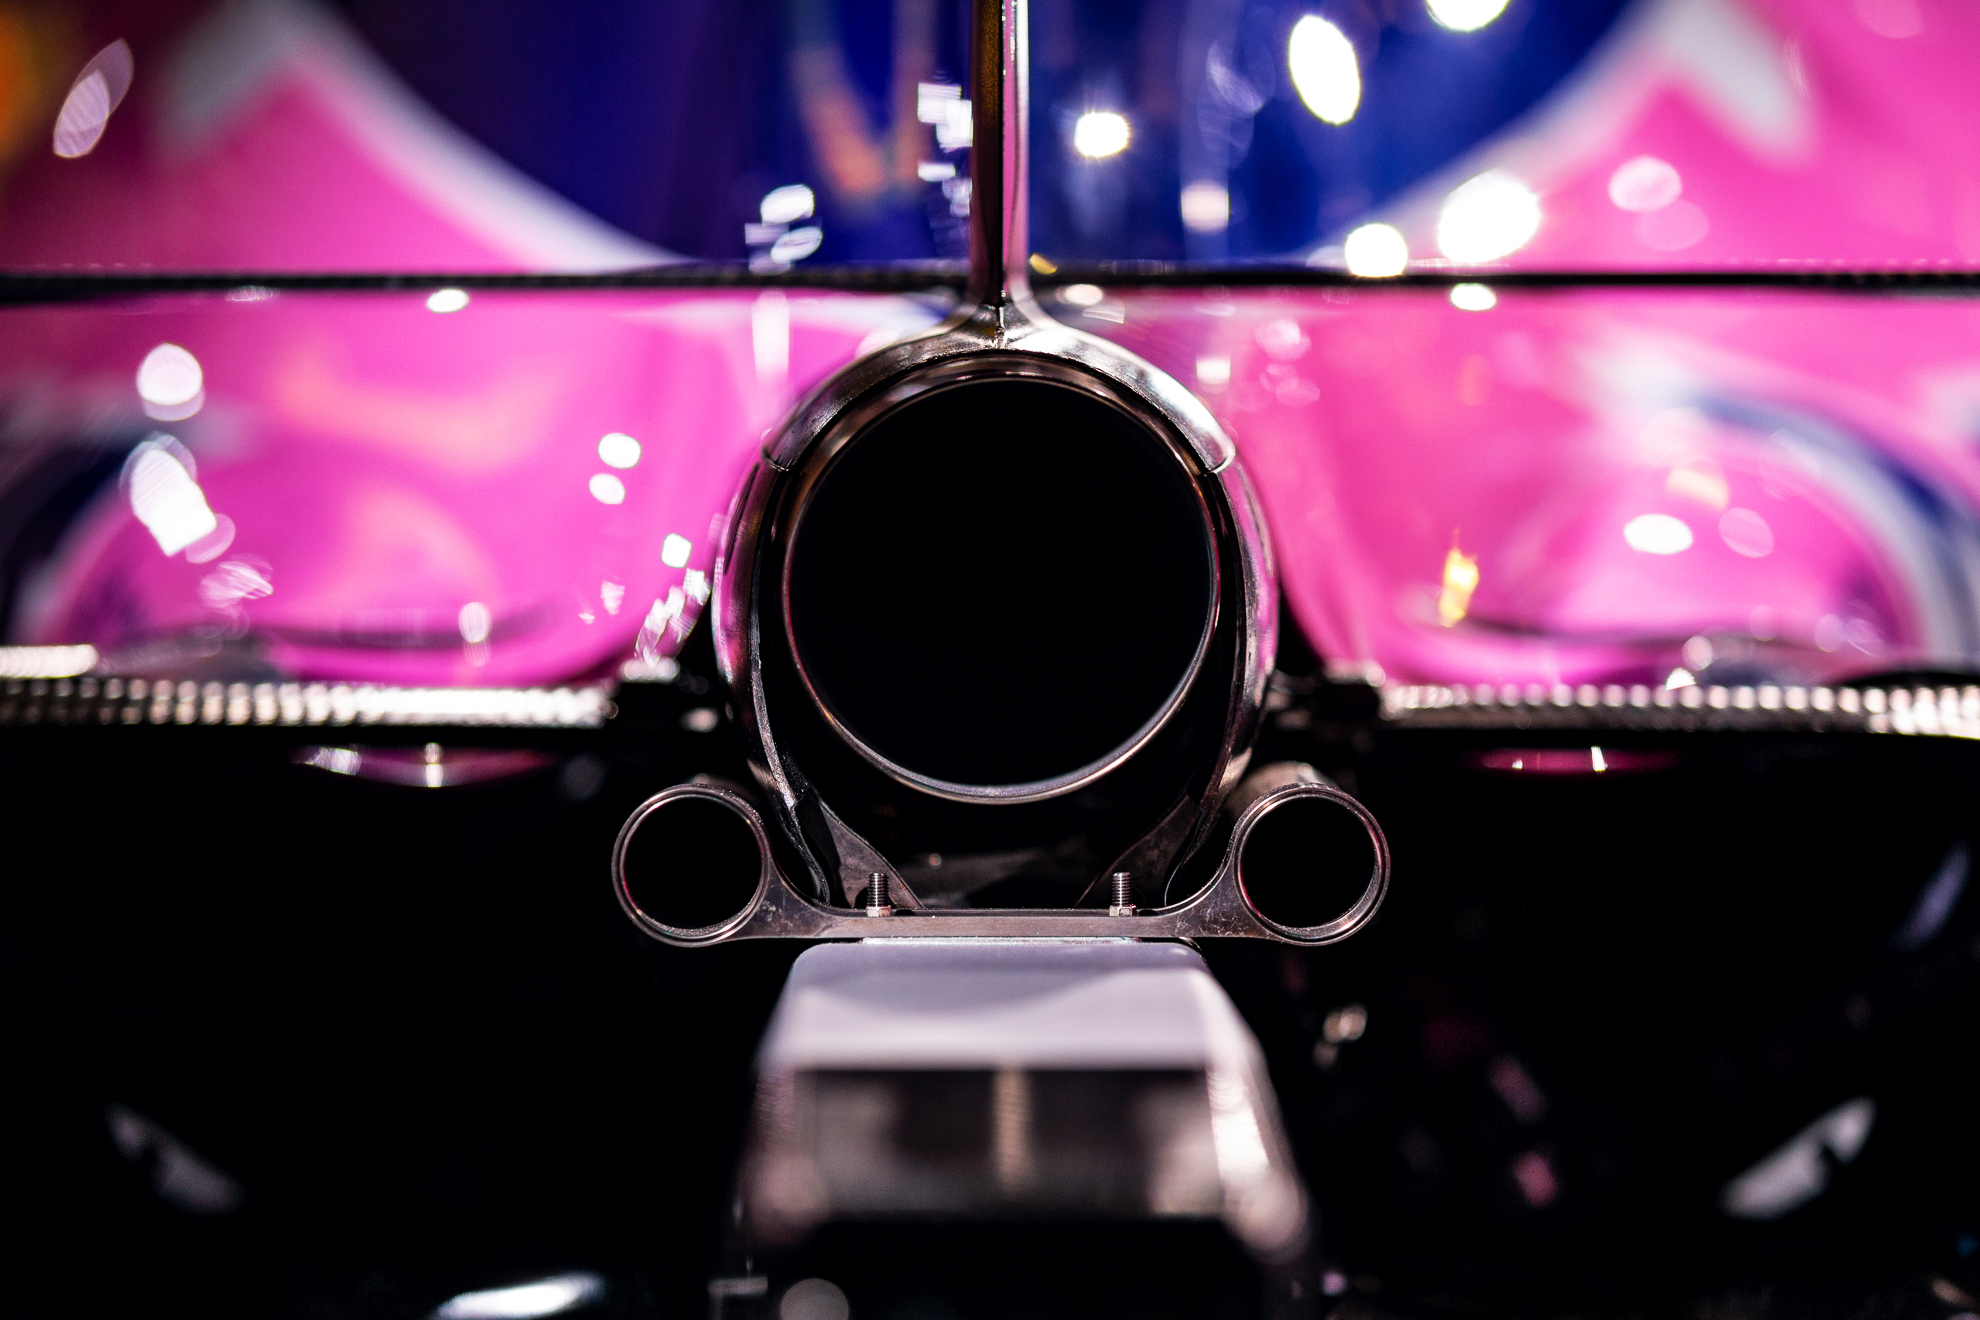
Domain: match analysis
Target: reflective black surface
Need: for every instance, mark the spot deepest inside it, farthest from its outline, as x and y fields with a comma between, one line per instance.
x=415, y=1032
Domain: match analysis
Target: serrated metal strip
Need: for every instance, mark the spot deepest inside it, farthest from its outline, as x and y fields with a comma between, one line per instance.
x=134, y=701
x=1930, y=711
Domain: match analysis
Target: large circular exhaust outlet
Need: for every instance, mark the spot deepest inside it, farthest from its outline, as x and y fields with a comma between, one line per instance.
x=997, y=601
x=998, y=587
x=997, y=613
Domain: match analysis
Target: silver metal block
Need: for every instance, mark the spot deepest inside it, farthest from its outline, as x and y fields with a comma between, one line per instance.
x=1012, y=1080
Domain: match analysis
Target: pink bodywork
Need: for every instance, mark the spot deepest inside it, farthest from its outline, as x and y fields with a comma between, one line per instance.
x=410, y=491
x=385, y=467
x=1818, y=448
x=1448, y=490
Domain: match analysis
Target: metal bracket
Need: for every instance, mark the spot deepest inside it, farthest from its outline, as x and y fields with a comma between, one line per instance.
x=1222, y=909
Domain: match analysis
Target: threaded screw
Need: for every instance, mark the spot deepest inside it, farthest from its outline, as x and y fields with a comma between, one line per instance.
x=1123, y=904
x=876, y=895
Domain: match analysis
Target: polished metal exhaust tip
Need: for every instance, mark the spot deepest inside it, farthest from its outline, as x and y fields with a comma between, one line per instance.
x=692, y=863
x=1311, y=862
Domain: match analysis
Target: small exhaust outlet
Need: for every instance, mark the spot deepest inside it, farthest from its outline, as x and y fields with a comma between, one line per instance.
x=692, y=863
x=1312, y=862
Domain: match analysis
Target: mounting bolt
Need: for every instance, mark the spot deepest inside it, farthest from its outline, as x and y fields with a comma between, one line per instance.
x=876, y=896
x=1123, y=904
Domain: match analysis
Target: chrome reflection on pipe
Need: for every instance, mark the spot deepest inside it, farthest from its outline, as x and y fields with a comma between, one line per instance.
x=995, y=562
x=926, y=542
x=1311, y=862
x=1295, y=838
x=692, y=864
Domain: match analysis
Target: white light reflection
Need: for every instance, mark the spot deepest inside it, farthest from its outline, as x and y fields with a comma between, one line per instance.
x=234, y=581
x=158, y=478
x=95, y=93
x=668, y=617
x=1799, y=1171
x=942, y=105
x=1213, y=372
x=934, y=171
x=1206, y=207
x=1673, y=228
x=674, y=551
x=446, y=300
x=475, y=622
x=1234, y=1131
x=170, y=383
x=797, y=245
x=1700, y=479
x=770, y=337
x=1466, y=15
x=1936, y=903
x=608, y=489
x=1657, y=534
x=1098, y=134
x=1896, y=19
x=1375, y=251
x=1283, y=340
x=814, y=1299
x=787, y=205
x=337, y=760
x=179, y=1175
x=1746, y=533
x=215, y=543
x=618, y=450
x=1082, y=295
x=1473, y=298
x=46, y=661
x=1324, y=70
x=1645, y=183
x=1345, y=1024
x=525, y=1301
x=1488, y=216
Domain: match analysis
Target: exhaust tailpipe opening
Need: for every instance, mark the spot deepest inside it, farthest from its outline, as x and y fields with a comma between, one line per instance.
x=1311, y=861
x=1002, y=587
x=691, y=863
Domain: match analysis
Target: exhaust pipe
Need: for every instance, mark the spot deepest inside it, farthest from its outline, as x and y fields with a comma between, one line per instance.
x=692, y=863
x=1312, y=863
x=1306, y=864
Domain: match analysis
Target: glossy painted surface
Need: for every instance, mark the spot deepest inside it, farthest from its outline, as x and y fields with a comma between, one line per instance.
x=1791, y=130
x=421, y=497
x=265, y=137
x=275, y=135
x=1563, y=487
x=385, y=466
x=1453, y=495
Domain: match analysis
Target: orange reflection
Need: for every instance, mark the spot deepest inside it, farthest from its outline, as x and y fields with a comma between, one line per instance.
x=1460, y=580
